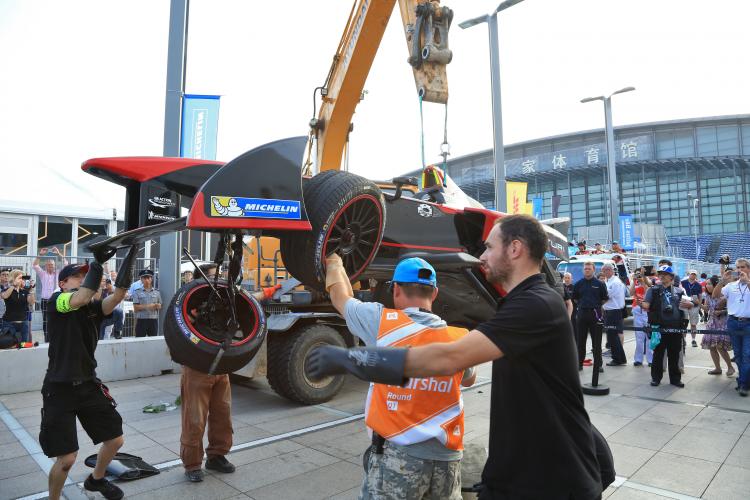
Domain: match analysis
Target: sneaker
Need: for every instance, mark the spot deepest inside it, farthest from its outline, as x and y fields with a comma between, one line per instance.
x=607, y=353
x=678, y=384
x=194, y=476
x=615, y=363
x=730, y=372
x=107, y=489
x=637, y=363
x=219, y=463
x=654, y=383
x=743, y=392
x=588, y=362
x=695, y=344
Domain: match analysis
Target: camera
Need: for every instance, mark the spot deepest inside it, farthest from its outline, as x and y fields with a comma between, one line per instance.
x=724, y=259
x=27, y=284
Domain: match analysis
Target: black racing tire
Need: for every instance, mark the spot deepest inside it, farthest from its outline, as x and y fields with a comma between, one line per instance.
x=347, y=215
x=287, y=355
x=196, y=344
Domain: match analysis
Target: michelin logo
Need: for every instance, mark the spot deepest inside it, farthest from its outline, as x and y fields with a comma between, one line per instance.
x=228, y=206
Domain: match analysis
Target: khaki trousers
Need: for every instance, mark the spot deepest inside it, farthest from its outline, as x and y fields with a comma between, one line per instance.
x=205, y=398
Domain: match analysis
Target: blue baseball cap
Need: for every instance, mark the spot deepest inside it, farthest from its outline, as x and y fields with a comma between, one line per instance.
x=415, y=270
x=665, y=269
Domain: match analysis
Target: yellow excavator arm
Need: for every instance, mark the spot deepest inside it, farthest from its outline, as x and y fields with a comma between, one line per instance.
x=426, y=26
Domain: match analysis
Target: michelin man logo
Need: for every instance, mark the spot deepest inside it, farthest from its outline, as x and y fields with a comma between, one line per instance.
x=232, y=209
x=424, y=210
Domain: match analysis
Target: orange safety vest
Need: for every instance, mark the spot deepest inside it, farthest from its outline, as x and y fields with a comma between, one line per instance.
x=427, y=407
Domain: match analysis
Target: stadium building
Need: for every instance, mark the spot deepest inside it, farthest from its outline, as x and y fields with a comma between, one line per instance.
x=686, y=183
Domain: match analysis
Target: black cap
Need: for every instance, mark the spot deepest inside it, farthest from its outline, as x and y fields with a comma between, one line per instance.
x=72, y=269
x=146, y=272
x=5, y=270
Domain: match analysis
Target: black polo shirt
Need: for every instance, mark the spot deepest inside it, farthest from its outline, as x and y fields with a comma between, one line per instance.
x=73, y=336
x=590, y=293
x=541, y=443
x=17, y=306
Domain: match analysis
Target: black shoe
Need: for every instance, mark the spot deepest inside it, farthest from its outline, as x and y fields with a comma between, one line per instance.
x=194, y=476
x=601, y=369
x=107, y=489
x=637, y=363
x=743, y=393
x=615, y=363
x=678, y=384
x=220, y=464
x=695, y=344
x=654, y=383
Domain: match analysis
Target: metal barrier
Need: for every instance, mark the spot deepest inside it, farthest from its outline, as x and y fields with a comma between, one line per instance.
x=36, y=317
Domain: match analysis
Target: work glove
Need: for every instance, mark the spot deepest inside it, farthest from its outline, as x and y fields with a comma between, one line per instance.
x=382, y=365
x=125, y=273
x=102, y=254
x=93, y=279
x=335, y=272
x=269, y=291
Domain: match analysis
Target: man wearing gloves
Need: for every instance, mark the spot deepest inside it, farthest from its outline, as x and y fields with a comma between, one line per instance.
x=536, y=401
x=417, y=430
x=71, y=389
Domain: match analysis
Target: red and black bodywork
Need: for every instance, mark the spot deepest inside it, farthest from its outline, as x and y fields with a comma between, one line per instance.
x=450, y=238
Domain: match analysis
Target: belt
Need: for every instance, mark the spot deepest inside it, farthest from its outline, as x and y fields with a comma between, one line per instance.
x=737, y=318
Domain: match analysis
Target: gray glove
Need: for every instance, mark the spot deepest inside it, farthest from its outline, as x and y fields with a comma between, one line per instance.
x=93, y=279
x=382, y=365
x=125, y=273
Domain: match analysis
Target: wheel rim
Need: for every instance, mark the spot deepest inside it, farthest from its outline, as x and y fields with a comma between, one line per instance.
x=320, y=383
x=247, y=315
x=355, y=232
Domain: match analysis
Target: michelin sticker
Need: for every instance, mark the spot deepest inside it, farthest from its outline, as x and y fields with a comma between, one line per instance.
x=424, y=210
x=228, y=206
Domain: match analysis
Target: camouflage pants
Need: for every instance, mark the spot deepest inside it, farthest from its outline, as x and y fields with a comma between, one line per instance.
x=396, y=475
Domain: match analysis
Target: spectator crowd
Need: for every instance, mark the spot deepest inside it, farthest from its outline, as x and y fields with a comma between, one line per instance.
x=662, y=307
x=23, y=294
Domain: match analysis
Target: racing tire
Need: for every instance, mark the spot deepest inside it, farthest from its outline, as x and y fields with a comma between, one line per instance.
x=196, y=344
x=347, y=215
x=287, y=355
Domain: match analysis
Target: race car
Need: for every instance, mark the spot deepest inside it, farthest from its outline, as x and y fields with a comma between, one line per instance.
x=215, y=326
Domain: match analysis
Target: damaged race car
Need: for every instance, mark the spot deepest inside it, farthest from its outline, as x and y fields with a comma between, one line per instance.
x=215, y=326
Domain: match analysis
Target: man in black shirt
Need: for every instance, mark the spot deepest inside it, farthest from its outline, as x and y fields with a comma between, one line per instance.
x=590, y=294
x=70, y=387
x=541, y=442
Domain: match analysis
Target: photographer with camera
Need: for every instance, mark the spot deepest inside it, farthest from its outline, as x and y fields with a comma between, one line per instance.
x=662, y=302
x=735, y=287
x=639, y=284
x=18, y=297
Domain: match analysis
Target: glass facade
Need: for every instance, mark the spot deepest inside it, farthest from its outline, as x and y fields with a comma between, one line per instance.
x=690, y=176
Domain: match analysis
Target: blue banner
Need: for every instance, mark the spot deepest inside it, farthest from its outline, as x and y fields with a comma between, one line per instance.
x=200, y=126
x=626, y=231
x=536, y=207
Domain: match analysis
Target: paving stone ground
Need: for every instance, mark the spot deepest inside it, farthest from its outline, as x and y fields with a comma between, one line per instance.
x=667, y=442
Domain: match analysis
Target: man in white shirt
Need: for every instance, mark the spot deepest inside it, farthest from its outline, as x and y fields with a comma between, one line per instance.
x=737, y=293
x=613, y=318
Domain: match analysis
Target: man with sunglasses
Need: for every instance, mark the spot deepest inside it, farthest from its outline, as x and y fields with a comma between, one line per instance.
x=418, y=429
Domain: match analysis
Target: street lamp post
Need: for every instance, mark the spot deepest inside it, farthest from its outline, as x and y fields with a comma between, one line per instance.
x=614, y=199
x=694, y=201
x=497, y=116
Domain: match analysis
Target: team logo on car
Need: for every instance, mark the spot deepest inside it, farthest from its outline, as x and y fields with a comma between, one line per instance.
x=424, y=210
x=229, y=206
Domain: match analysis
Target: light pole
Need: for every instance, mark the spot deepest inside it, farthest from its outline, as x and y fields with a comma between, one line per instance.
x=497, y=115
x=614, y=199
x=694, y=201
